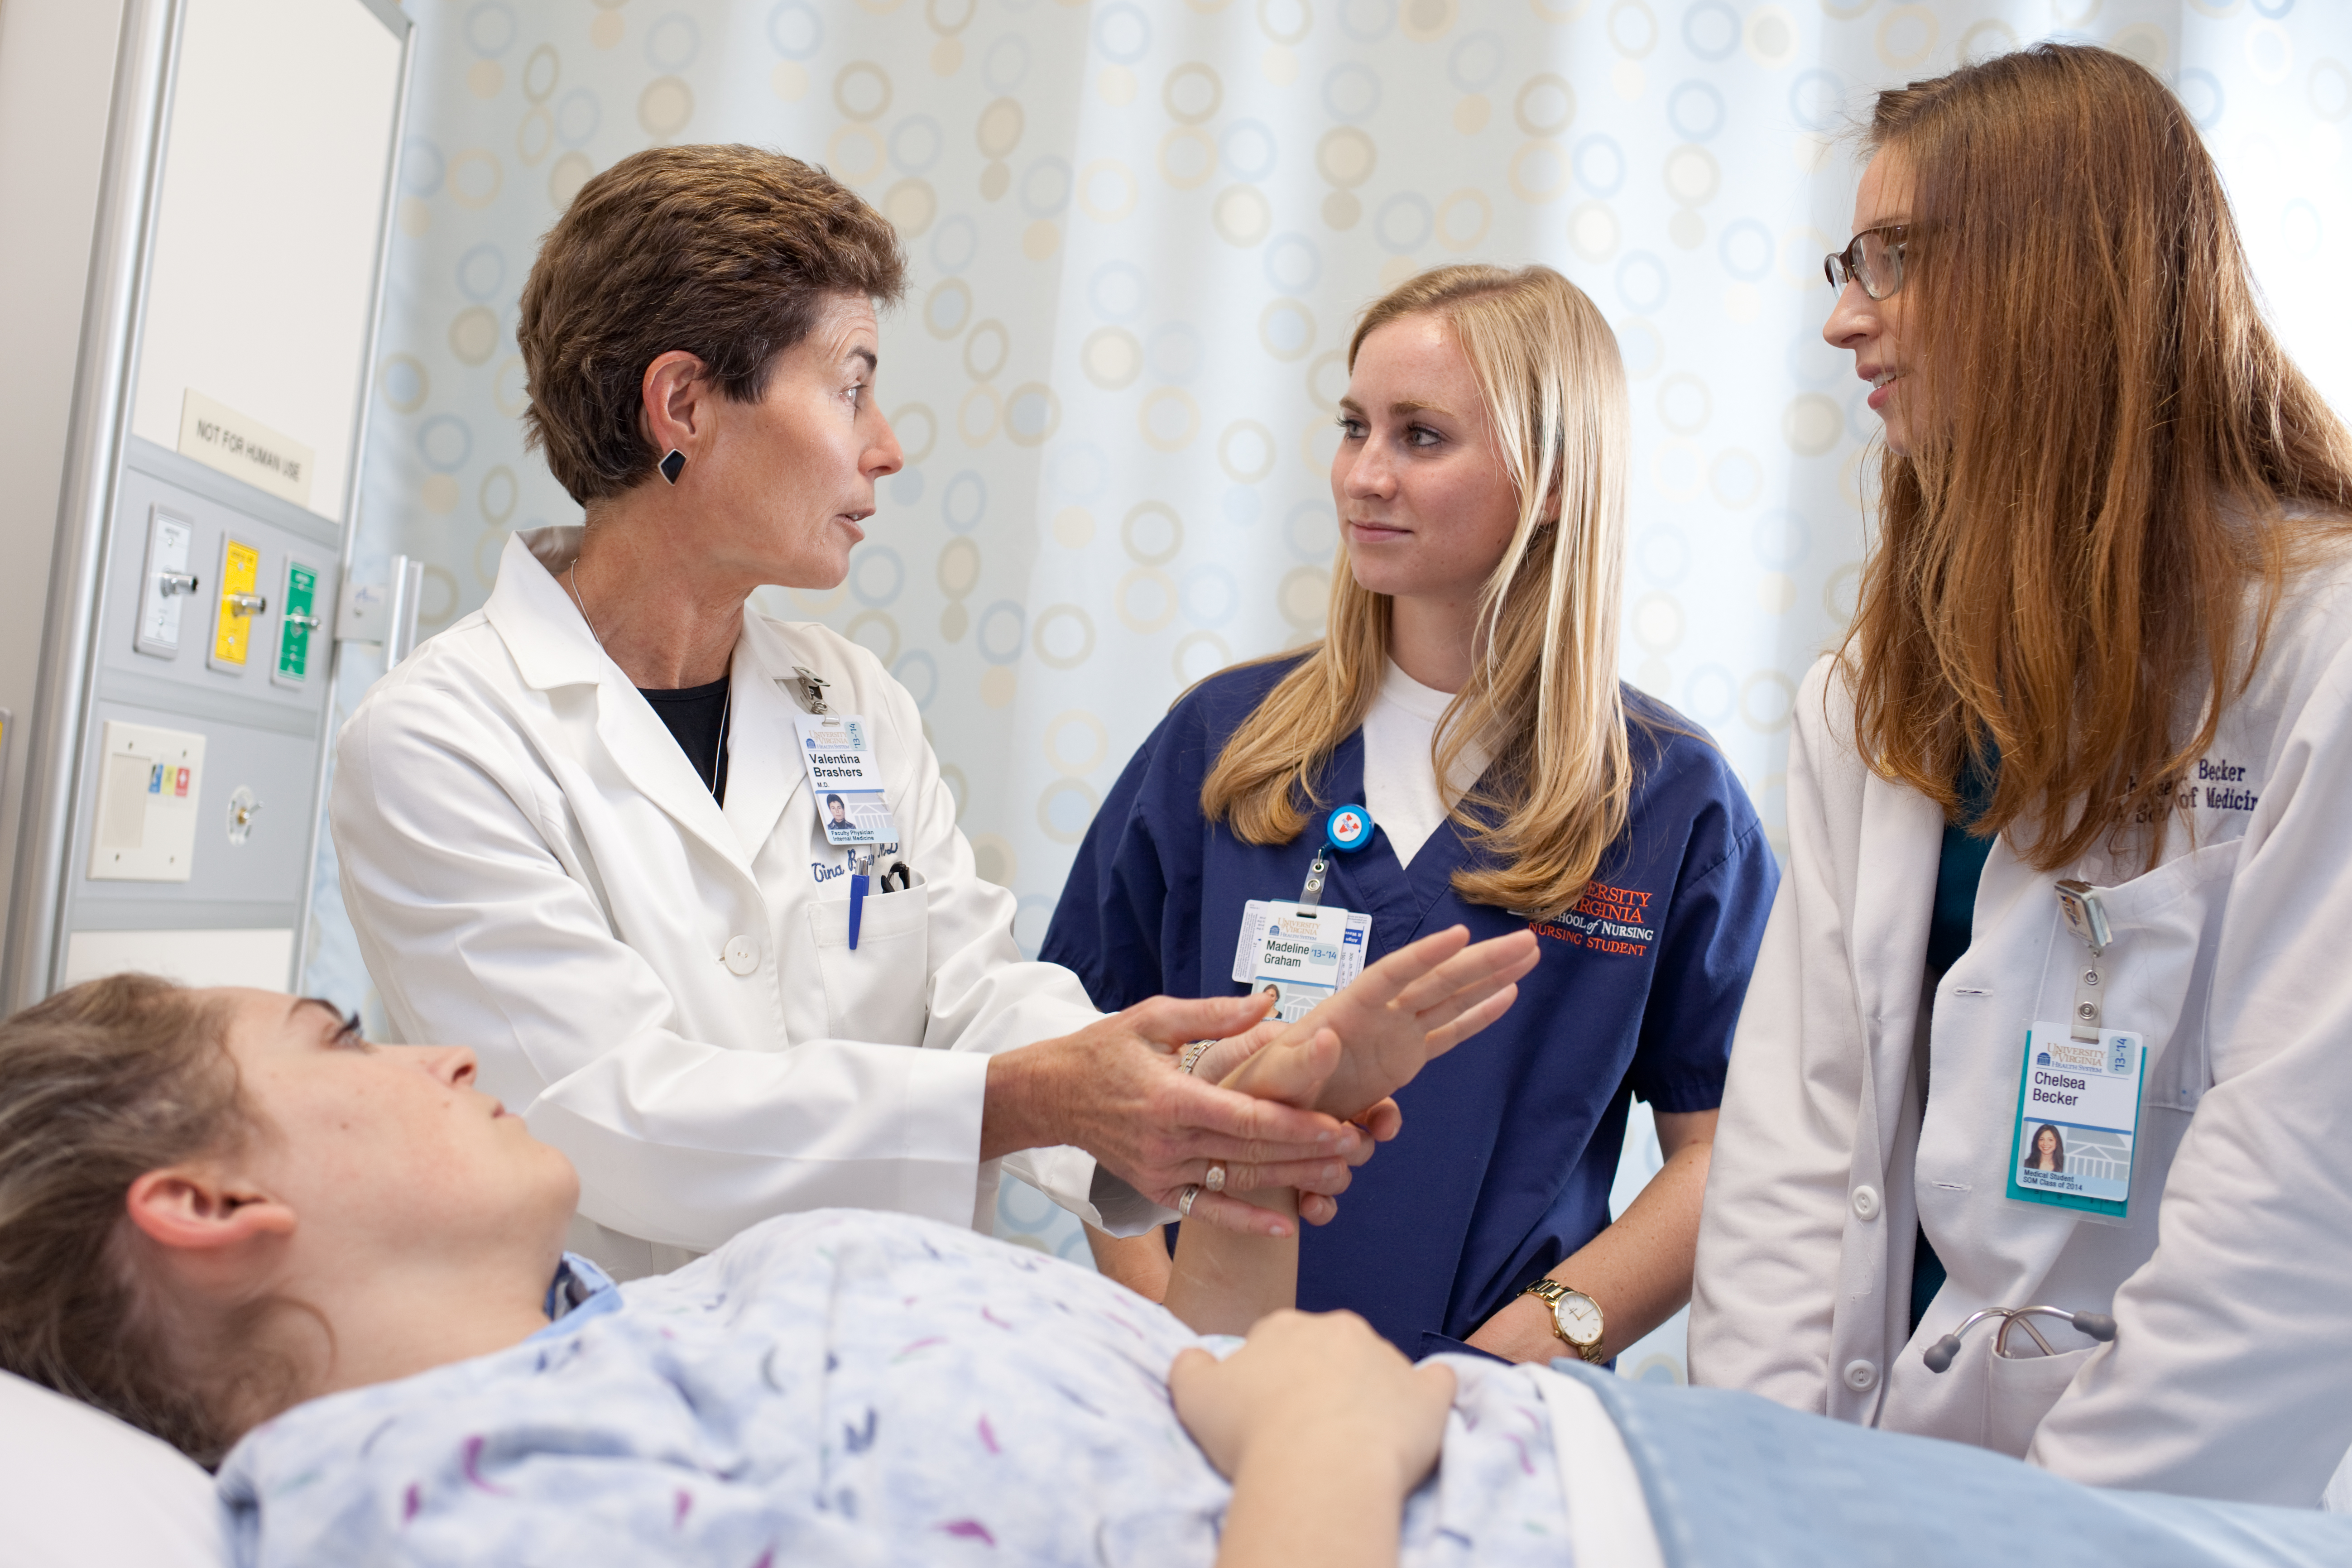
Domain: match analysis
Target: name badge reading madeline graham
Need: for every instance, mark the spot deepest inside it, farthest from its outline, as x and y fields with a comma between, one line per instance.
x=1305, y=954
x=1302, y=951
x=844, y=778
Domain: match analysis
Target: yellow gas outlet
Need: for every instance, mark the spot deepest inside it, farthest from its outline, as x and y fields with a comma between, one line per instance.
x=239, y=606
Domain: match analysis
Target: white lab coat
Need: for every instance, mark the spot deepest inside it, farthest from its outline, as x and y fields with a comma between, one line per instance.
x=2232, y=1282
x=665, y=989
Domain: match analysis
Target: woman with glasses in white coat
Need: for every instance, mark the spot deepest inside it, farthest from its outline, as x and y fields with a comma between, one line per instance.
x=2067, y=841
x=583, y=825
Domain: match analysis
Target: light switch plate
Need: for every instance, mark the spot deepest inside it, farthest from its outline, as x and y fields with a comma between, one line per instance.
x=149, y=784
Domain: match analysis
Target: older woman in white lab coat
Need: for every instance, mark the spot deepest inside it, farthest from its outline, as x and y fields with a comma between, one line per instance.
x=2106, y=640
x=577, y=828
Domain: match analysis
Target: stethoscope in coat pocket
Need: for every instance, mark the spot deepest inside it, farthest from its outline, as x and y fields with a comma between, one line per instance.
x=2094, y=1325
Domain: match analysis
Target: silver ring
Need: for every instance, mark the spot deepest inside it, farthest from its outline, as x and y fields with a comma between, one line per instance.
x=1216, y=1180
x=1184, y=1202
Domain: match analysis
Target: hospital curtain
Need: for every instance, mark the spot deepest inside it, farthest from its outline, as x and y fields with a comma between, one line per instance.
x=1139, y=231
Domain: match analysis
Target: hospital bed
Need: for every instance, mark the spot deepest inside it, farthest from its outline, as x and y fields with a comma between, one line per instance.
x=1688, y=1478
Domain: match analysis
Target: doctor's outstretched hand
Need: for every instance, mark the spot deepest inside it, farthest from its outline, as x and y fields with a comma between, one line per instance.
x=1114, y=1089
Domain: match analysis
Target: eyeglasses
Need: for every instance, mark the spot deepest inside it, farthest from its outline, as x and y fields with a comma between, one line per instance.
x=1875, y=261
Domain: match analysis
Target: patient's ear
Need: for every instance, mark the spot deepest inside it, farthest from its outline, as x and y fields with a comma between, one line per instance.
x=192, y=1209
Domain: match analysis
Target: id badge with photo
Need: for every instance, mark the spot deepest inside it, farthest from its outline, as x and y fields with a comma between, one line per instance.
x=2078, y=1107
x=844, y=778
x=1304, y=952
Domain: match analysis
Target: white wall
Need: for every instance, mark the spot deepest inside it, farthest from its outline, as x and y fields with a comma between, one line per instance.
x=56, y=74
x=267, y=234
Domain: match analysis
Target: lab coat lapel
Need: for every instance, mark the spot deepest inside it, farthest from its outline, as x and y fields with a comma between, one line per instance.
x=1900, y=846
x=553, y=647
x=764, y=770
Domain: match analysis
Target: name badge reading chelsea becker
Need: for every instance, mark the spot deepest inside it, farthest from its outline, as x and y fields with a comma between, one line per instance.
x=845, y=779
x=2079, y=1095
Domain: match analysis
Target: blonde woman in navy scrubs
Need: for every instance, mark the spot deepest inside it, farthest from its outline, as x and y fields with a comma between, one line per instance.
x=1466, y=698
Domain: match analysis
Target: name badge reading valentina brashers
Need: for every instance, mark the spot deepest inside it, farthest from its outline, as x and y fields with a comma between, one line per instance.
x=2078, y=1119
x=844, y=778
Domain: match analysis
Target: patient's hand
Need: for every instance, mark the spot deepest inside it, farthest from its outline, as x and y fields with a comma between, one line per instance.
x=1416, y=1004
x=1323, y=1427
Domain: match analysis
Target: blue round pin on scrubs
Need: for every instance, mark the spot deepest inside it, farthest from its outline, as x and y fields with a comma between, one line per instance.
x=1348, y=827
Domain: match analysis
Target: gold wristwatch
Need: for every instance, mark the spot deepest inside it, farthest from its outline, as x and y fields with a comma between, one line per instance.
x=1575, y=1316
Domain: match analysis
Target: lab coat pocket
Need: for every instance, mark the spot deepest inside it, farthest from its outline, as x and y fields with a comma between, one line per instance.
x=881, y=990
x=2020, y=1392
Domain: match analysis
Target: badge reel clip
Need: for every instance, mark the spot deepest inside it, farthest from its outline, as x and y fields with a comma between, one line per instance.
x=2086, y=917
x=1349, y=828
x=811, y=688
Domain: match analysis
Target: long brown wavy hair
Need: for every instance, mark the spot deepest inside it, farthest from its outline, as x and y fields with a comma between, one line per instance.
x=1543, y=693
x=2094, y=528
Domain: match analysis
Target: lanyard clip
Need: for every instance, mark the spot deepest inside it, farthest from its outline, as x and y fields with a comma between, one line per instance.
x=1350, y=829
x=811, y=688
x=2086, y=917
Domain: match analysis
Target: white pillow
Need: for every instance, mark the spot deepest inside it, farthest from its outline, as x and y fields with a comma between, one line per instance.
x=78, y=1487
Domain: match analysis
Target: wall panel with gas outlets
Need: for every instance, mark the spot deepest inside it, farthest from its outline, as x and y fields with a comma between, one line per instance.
x=179, y=745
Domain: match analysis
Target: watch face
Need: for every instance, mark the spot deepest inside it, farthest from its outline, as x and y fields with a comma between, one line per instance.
x=1579, y=1319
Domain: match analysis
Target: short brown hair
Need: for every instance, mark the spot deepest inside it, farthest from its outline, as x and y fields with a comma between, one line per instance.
x=728, y=253
x=99, y=1085
x=2078, y=564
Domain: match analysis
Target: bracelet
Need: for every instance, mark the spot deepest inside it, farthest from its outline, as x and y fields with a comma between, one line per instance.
x=1192, y=1054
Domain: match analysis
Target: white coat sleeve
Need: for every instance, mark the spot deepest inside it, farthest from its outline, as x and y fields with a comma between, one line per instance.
x=1771, y=1230
x=478, y=932
x=984, y=996
x=2231, y=1375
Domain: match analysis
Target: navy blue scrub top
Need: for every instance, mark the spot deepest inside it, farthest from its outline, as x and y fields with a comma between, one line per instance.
x=1511, y=1141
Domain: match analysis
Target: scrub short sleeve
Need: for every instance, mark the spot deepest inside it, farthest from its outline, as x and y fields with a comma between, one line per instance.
x=1713, y=926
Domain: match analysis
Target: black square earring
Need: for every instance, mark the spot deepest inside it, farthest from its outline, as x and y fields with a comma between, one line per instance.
x=672, y=465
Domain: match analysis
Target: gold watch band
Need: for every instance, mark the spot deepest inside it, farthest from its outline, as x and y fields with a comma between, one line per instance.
x=1548, y=1291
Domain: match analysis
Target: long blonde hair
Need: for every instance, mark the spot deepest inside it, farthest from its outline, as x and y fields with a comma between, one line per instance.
x=2097, y=521
x=1543, y=694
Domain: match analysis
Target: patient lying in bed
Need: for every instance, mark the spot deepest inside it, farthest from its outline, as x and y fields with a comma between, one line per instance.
x=843, y=1387
x=339, y=1258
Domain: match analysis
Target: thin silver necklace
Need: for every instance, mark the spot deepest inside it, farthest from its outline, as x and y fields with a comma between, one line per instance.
x=726, y=703
x=572, y=575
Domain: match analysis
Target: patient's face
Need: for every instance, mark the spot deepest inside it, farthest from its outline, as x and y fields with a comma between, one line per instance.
x=388, y=1147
